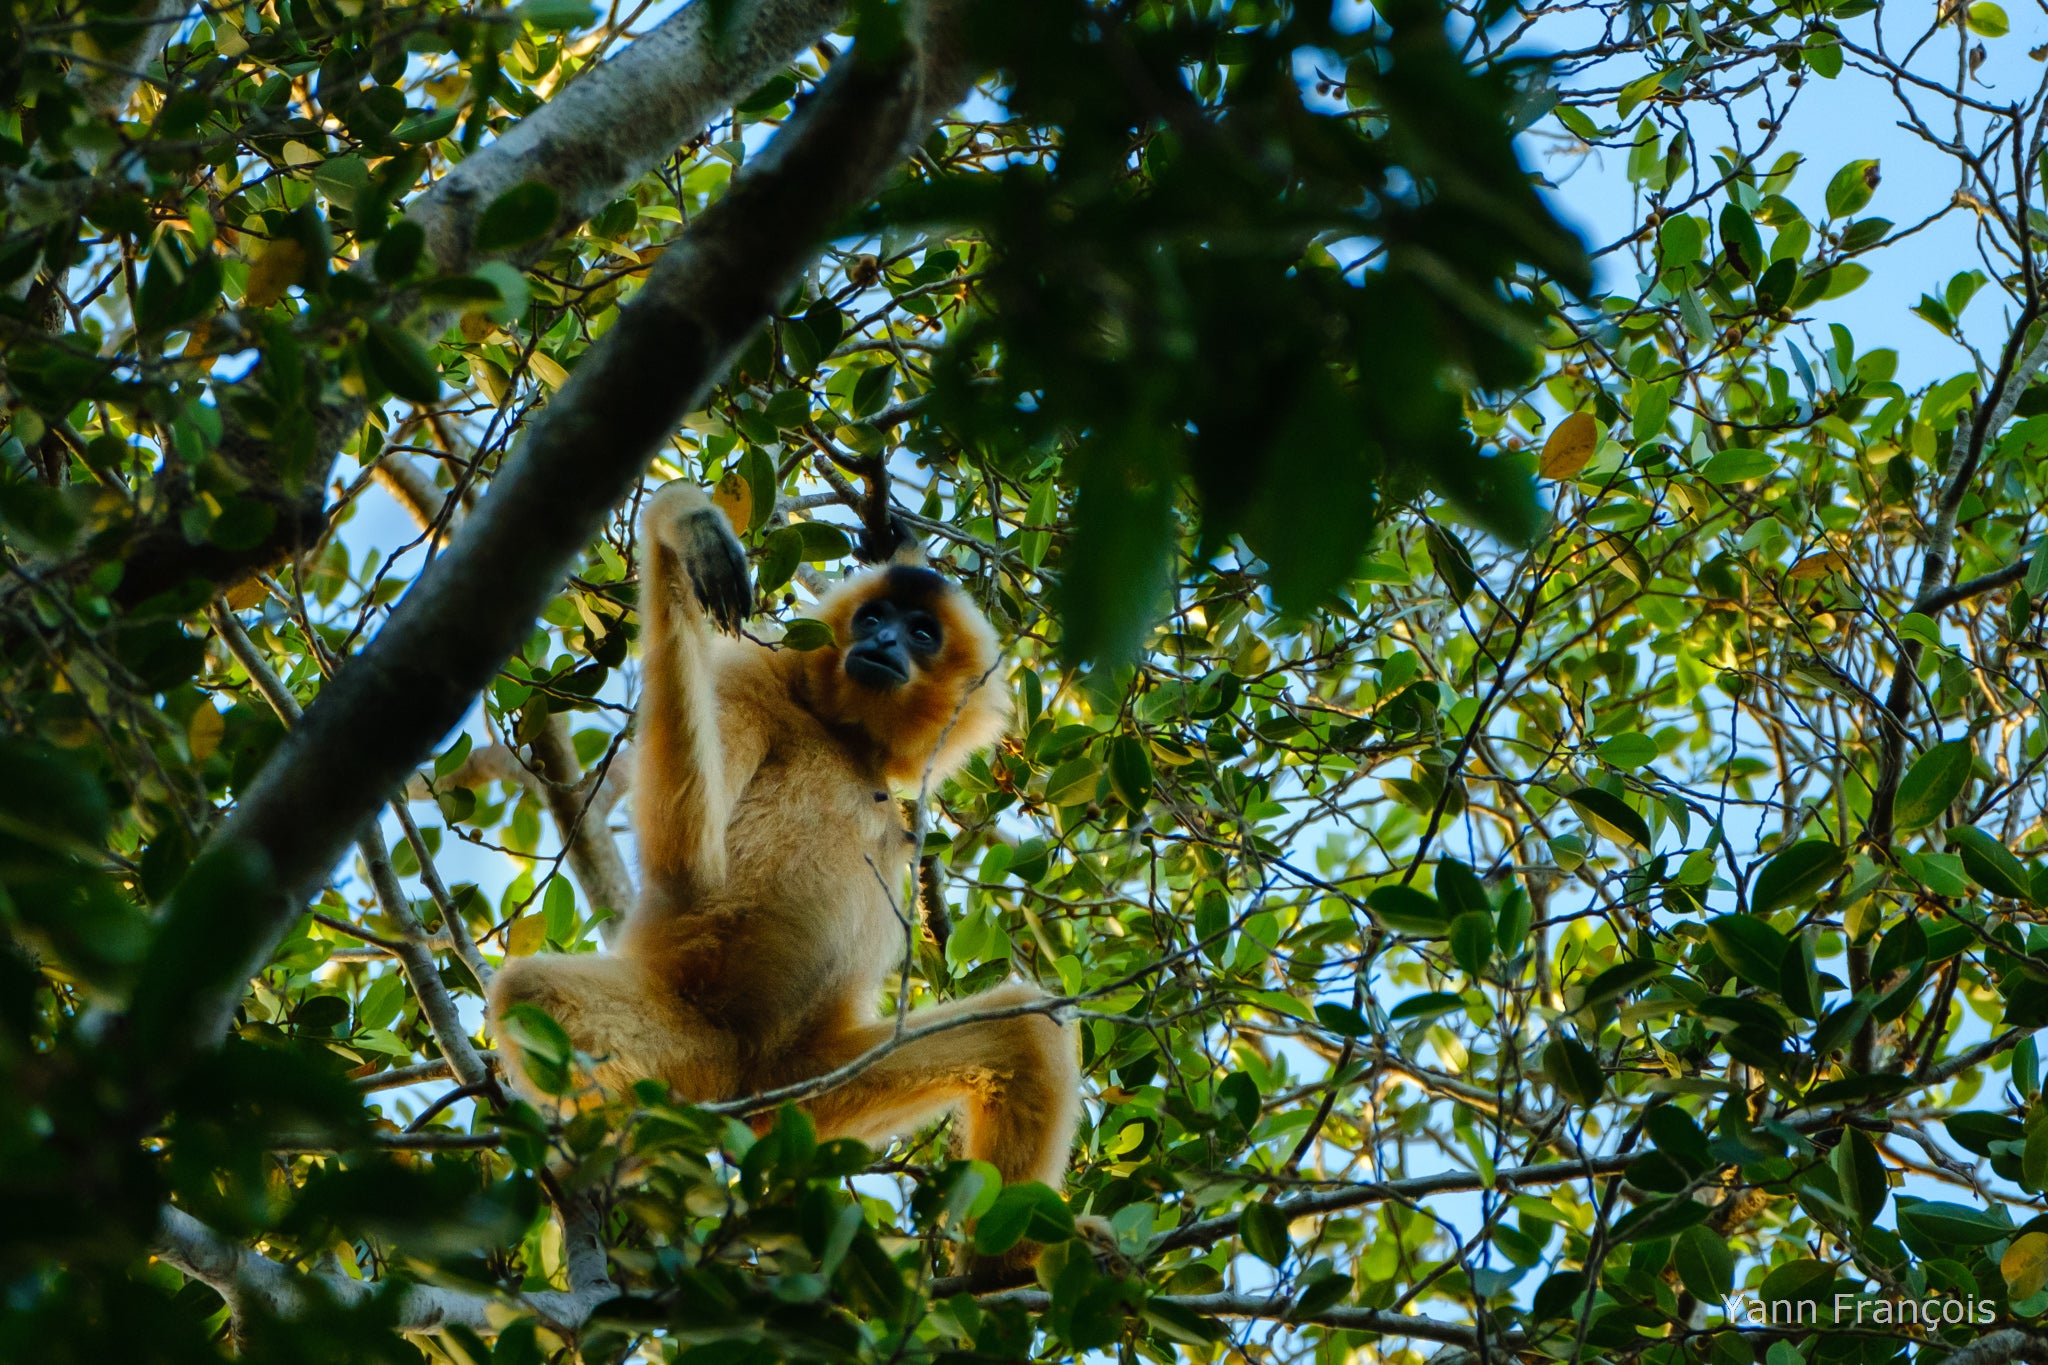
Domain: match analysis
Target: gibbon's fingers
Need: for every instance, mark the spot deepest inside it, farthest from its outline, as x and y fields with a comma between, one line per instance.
x=717, y=564
x=682, y=518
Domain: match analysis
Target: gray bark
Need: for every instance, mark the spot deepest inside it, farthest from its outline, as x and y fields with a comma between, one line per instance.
x=607, y=128
x=248, y=1278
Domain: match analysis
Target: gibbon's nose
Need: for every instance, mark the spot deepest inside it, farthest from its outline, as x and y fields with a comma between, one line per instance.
x=887, y=637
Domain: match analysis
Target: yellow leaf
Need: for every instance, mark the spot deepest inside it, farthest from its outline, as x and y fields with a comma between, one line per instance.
x=548, y=369
x=490, y=376
x=299, y=154
x=247, y=594
x=275, y=271
x=203, y=732
x=1569, y=447
x=525, y=935
x=2025, y=1265
x=1819, y=565
x=734, y=496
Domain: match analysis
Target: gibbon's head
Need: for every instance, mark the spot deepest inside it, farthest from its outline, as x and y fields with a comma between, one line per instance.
x=913, y=665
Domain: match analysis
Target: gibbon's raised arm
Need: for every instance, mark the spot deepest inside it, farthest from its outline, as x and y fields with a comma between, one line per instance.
x=693, y=582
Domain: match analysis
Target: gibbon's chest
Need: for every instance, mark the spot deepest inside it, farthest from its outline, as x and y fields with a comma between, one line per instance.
x=823, y=818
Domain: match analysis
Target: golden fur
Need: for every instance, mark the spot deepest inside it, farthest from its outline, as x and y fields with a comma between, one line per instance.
x=772, y=866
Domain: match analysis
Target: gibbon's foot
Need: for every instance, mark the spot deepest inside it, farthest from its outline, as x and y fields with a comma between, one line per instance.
x=710, y=554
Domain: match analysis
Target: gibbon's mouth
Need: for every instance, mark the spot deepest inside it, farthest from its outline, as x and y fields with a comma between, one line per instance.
x=881, y=669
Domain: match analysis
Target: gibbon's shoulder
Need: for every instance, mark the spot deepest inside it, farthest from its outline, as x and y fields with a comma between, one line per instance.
x=744, y=667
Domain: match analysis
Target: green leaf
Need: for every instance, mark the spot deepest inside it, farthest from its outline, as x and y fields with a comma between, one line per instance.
x=1574, y=1070
x=1705, y=1264
x=1073, y=783
x=1459, y=889
x=805, y=634
x=1611, y=817
x=1511, y=929
x=1932, y=784
x=544, y=1049
x=1027, y=1211
x=1987, y=20
x=398, y=252
x=822, y=543
x=1472, y=941
x=1404, y=910
x=1032, y=545
x=1740, y=241
x=525, y=213
x=1629, y=751
x=1795, y=874
x=176, y=288
x=1343, y=1020
x=1130, y=771
x=1753, y=950
x=781, y=553
x=1621, y=979
x=400, y=363
x=427, y=127
x=1265, y=1233
x=1660, y=1220
x=1920, y=627
x=1974, y=1130
x=1737, y=464
x=1851, y=188
x=447, y=762
x=1860, y=1175
x=556, y=15
x=1799, y=979
x=1991, y=864
x=1452, y=560
x=1951, y=1224
x=1797, y=1281
x=1865, y=233
x=1427, y=1006
x=1679, y=240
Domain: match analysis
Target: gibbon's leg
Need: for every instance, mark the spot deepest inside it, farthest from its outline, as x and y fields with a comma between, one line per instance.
x=615, y=1012
x=693, y=579
x=1014, y=1083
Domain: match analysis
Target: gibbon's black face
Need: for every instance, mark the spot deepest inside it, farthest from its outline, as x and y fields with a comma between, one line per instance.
x=897, y=629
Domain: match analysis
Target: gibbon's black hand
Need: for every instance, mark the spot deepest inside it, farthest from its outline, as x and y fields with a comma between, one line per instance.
x=874, y=550
x=717, y=564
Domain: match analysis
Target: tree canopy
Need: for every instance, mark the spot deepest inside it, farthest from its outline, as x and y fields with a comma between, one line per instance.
x=1527, y=769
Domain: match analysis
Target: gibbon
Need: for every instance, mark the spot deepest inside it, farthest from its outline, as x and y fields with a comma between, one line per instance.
x=770, y=853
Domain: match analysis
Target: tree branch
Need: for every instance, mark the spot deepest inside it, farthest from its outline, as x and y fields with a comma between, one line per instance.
x=611, y=125
x=579, y=812
x=244, y=1277
x=1977, y=587
x=1277, y=1308
x=414, y=949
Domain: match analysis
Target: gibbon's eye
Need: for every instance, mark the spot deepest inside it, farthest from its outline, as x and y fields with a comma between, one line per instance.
x=924, y=632
x=864, y=619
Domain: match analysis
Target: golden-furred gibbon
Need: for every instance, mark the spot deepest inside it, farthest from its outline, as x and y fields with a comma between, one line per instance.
x=771, y=851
